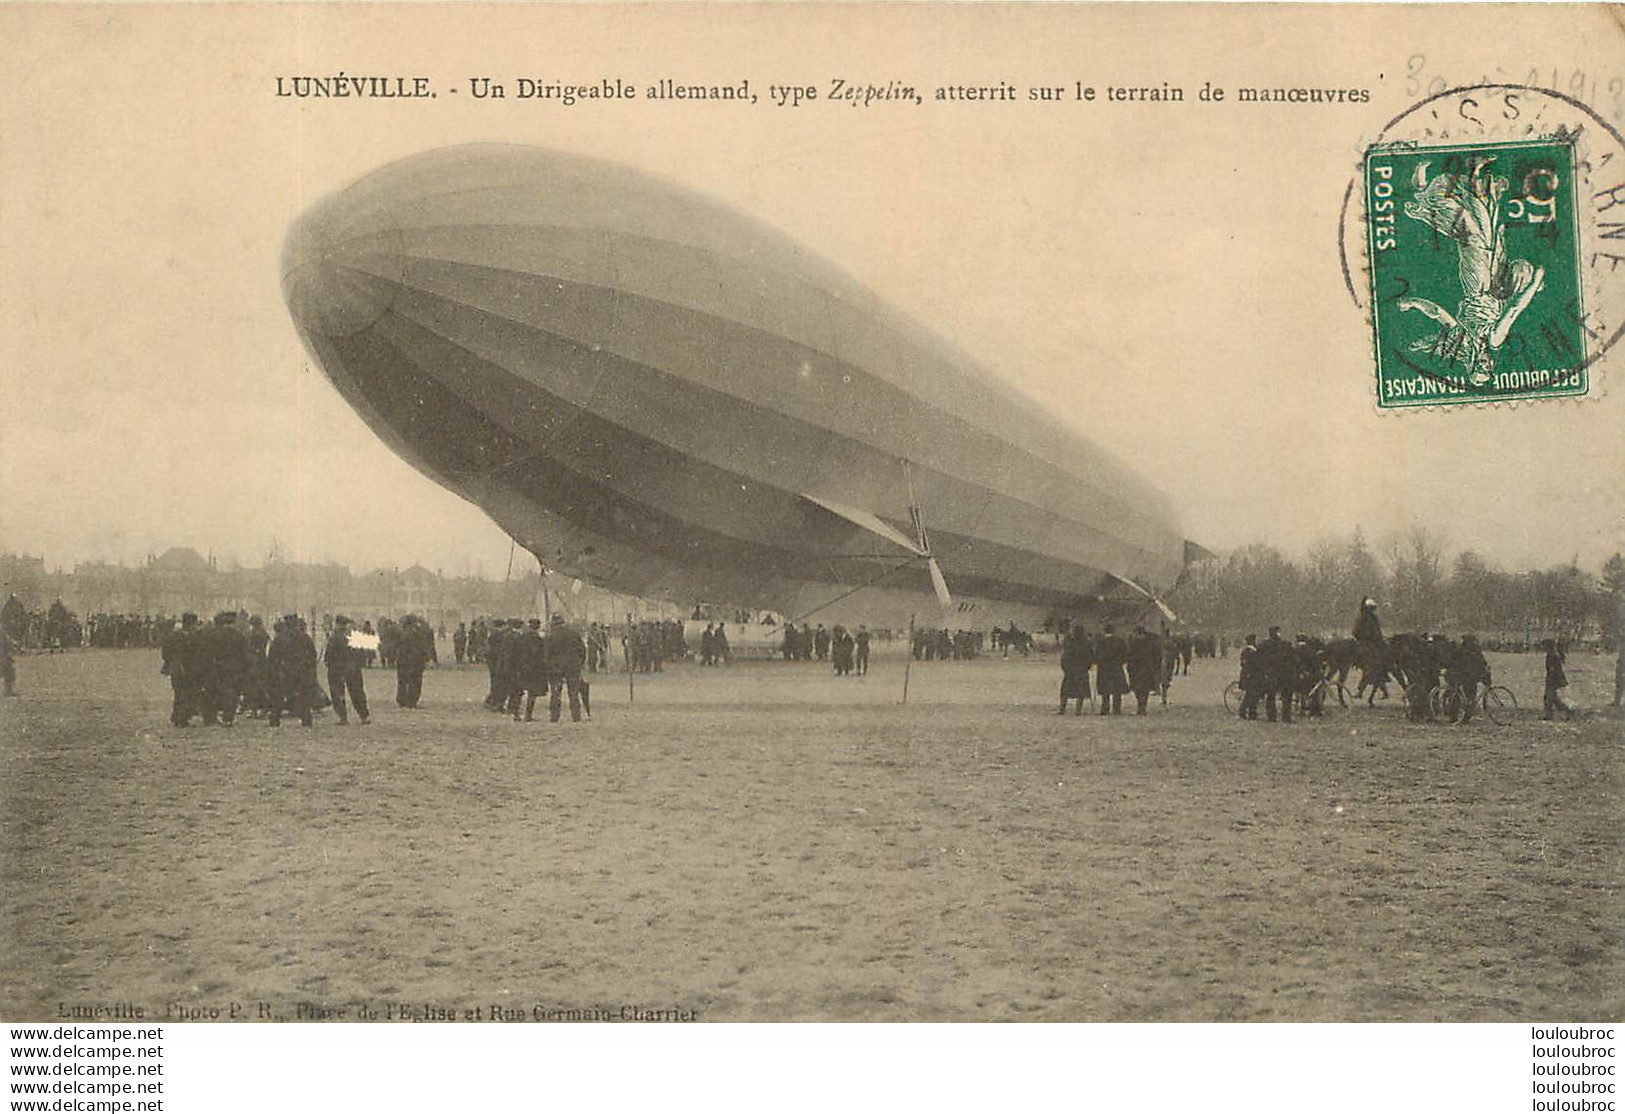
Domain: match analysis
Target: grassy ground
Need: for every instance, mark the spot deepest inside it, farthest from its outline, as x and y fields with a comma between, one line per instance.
x=768, y=842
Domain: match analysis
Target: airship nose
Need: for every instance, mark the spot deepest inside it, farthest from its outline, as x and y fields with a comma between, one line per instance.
x=341, y=266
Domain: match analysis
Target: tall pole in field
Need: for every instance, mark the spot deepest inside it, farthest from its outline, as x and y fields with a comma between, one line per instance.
x=908, y=657
x=626, y=652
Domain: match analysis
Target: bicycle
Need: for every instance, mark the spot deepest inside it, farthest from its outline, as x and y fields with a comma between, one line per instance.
x=1500, y=707
x=1319, y=695
x=1234, y=694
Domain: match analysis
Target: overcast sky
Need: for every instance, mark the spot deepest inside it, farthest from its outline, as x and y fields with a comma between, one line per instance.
x=1165, y=279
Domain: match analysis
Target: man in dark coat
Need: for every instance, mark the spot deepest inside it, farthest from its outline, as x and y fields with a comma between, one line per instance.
x=256, y=641
x=414, y=650
x=1144, y=667
x=1168, y=648
x=459, y=642
x=1556, y=680
x=221, y=655
x=1468, y=669
x=1077, y=651
x=1111, y=655
x=1252, y=678
x=496, y=698
x=290, y=667
x=344, y=664
x=840, y=651
x=527, y=674
x=179, y=665
x=565, y=654
x=1279, y=667
x=510, y=676
x=861, y=647
x=1419, y=658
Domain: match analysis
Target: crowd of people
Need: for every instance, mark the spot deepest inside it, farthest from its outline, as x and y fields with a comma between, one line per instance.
x=1282, y=673
x=1142, y=664
x=220, y=669
x=524, y=664
x=234, y=665
x=847, y=651
x=1422, y=664
x=960, y=645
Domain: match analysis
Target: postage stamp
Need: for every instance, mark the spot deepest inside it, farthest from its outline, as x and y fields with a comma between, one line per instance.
x=1475, y=272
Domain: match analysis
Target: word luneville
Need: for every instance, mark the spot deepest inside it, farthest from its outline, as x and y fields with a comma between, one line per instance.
x=342, y=84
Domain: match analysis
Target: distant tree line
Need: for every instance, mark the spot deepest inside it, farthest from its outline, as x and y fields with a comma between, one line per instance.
x=1418, y=586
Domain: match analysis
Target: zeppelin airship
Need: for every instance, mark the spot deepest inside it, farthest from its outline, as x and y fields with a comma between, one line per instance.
x=658, y=394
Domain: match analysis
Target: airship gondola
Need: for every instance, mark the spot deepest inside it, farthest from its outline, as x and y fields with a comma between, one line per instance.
x=657, y=394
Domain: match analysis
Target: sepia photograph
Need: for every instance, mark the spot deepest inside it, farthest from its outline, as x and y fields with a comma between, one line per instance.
x=830, y=512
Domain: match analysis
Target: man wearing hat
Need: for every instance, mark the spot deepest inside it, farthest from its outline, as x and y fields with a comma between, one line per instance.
x=1111, y=656
x=413, y=652
x=1373, y=651
x=179, y=657
x=1144, y=666
x=290, y=666
x=344, y=664
x=255, y=639
x=1468, y=669
x=1252, y=678
x=1077, y=651
x=1556, y=680
x=565, y=654
x=222, y=658
x=528, y=677
x=1279, y=666
x=510, y=674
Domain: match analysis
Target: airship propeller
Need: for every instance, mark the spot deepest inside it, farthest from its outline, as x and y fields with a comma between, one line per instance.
x=919, y=545
x=923, y=548
x=938, y=581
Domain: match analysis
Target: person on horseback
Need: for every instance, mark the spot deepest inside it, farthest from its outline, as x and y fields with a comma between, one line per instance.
x=1373, y=651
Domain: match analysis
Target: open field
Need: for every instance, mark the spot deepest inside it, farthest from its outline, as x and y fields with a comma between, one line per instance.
x=767, y=842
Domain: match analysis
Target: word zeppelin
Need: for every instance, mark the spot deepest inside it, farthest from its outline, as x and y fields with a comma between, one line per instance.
x=342, y=84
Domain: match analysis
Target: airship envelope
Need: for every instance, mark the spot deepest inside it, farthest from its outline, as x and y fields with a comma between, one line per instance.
x=657, y=394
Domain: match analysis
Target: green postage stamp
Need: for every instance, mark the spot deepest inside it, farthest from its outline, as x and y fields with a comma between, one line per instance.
x=1475, y=272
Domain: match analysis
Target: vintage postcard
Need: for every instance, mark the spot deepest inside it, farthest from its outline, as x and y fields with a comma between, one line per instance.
x=589, y=513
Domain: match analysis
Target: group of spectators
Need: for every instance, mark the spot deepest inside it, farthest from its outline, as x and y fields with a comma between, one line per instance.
x=847, y=651
x=1280, y=672
x=1142, y=664
x=524, y=664
x=1422, y=664
x=960, y=645
x=220, y=669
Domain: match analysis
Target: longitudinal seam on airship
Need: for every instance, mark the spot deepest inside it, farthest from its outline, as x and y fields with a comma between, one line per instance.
x=497, y=369
x=673, y=537
x=990, y=550
x=431, y=249
x=1105, y=502
x=535, y=188
x=733, y=272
